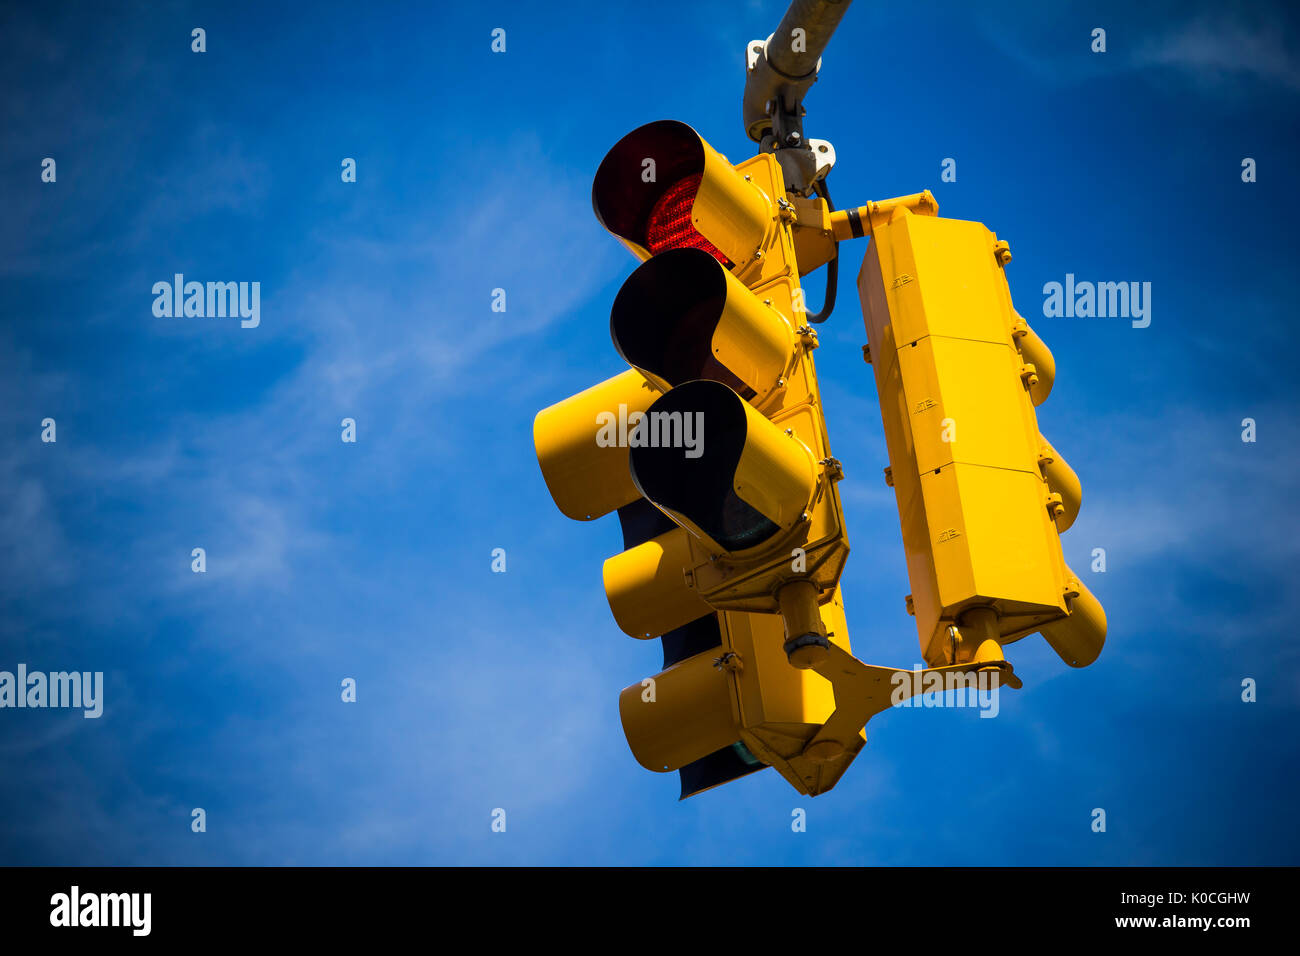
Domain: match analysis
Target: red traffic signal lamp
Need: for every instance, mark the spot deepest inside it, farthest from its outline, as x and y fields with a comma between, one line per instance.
x=663, y=187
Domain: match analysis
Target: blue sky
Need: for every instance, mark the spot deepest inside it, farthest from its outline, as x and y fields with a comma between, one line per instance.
x=372, y=560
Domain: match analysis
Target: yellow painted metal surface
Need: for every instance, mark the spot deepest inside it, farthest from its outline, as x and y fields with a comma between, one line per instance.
x=777, y=473
x=733, y=212
x=1038, y=356
x=982, y=496
x=1079, y=638
x=578, y=446
x=647, y=588
x=749, y=581
x=857, y=222
x=992, y=543
x=1062, y=480
x=814, y=237
x=771, y=692
x=754, y=341
x=757, y=698
x=681, y=714
x=775, y=258
x=965, y=402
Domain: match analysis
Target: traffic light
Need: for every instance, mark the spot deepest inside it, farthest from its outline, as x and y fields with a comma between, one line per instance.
x=982, y=496
x=712, y=445
x=734, y=449
x=712, y=449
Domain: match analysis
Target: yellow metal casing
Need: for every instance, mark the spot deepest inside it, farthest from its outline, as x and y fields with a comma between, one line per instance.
x=968, y=465
x=647, y=589
x=744, y=690
x=785, y=707
x=1078, y=639
x=814, y=236
x=581, y=445
x=682, y=715
x=1062, y=480
x=1038, y=357
x=815, y=548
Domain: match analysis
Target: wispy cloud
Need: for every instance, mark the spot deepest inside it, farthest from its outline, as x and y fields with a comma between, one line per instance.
x=1216, y=46
x=1206, y=44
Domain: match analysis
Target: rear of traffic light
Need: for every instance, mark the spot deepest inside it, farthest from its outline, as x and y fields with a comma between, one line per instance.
x=982, y=496
x=718, y=426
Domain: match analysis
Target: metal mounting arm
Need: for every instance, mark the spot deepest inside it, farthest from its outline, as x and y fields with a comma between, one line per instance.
x=779, y=71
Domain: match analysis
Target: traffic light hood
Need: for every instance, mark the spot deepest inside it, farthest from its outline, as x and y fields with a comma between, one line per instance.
x=682, y=316
x=663, y=187
x=749, y=482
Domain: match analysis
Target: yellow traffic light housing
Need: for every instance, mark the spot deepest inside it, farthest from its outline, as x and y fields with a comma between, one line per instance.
x=647, y=590
x=719, y=302
x=731, y=704
x=982, y=496
x=585, y=466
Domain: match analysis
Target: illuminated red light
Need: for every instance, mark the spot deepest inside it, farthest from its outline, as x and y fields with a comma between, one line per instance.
x=669, y=225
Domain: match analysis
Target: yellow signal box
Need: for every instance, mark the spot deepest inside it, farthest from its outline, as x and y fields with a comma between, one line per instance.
x=588, y=477
x=721, y=412
x=736, y=707
x=981, y=495
x=715, y=319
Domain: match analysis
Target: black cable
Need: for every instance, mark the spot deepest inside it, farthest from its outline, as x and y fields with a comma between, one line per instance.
x=832, y=267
